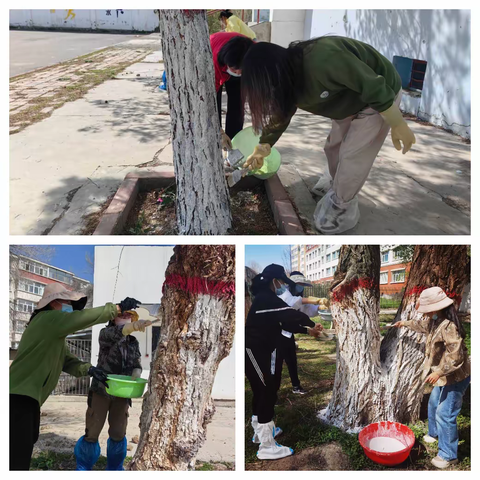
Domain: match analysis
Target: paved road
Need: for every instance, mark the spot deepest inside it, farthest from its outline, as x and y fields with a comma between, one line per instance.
x=31, y=50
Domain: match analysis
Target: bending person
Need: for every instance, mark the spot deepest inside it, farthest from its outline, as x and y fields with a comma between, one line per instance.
x=265, y=321
x=335, y=77
x=120, y=355
x=231, y=23
x=41, y=357
x=448, y=366
x=292, y=295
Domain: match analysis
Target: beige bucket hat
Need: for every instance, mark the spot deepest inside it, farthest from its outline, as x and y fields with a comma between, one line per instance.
x=300, y=279
x=56, y=291
x=432, y=300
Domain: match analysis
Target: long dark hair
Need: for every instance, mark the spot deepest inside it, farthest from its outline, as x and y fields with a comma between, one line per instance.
x=233, y=52
x=450, y=313
x=271, y=77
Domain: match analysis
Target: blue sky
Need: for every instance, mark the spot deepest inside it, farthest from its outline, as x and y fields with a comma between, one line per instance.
x=73, y=259
x=264, y=254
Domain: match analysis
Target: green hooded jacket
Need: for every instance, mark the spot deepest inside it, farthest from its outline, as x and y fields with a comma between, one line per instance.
x=42, y=353
x=341, y=76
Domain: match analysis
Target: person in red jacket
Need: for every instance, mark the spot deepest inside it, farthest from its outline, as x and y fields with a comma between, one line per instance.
x=228, y=49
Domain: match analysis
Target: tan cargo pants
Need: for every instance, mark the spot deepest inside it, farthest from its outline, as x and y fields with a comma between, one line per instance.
x=98, y=408
x=351, y=148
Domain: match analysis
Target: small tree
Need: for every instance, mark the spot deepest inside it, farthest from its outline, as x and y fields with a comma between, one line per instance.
x=198, y=311
x=203, y=203
x=382, y=379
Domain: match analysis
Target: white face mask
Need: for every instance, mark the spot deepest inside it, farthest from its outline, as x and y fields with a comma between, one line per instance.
x=233, y=74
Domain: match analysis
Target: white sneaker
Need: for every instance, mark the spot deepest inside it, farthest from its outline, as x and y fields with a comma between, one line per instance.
x=269, y=449
x=429, y=439
x=439, y=462
x=255, y=439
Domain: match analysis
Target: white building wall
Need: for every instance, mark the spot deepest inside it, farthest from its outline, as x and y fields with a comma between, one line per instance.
x=287, y=26
x=440, y=37
x=129, y=20
x=139, y=272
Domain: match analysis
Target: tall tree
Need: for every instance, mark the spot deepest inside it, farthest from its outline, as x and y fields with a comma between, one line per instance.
x=382, y=379
x=198, y=311
x=203, y=203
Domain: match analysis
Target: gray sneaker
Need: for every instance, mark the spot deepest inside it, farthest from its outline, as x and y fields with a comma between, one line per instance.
x=428, y=439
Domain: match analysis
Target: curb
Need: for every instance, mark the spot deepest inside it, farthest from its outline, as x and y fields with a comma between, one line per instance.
x=285, y=216
x=115, y=217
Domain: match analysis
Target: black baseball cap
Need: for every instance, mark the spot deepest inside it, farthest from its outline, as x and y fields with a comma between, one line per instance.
x=276, y=271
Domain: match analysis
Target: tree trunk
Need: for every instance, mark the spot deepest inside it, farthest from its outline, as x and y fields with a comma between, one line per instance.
x=203, y=203
x=198, y=308
x=382, y=379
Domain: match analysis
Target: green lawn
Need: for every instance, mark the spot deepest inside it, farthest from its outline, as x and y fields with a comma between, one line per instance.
x=297, y=414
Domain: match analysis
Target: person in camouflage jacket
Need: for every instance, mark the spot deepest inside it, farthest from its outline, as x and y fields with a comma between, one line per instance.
x=119, y=354
x=447, y=367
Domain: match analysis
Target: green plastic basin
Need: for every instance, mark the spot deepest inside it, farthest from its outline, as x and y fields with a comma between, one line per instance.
x=123, y=386
x=246, y=141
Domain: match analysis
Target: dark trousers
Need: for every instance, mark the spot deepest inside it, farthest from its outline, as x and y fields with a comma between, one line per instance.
x=24, y=430
x=287, y=351
x=235, y=110
x=260, y=365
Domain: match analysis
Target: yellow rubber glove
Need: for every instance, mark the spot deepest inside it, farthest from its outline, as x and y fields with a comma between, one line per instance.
x=400, y=130
x=138, y=326
x=255, y=160
x=226, y=142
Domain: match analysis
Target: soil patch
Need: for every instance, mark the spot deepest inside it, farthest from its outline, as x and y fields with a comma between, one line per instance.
x=325, y=457
x=154, y=213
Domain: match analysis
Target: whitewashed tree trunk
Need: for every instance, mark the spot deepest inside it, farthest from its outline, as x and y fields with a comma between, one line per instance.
x=203, y=203
x=198, y=310
x=382, y=379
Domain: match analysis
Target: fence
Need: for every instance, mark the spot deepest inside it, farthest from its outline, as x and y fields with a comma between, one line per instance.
x=67, y=384
x=320, y=290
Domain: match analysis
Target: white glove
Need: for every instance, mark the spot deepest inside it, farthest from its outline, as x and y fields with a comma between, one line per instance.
x=136, y=373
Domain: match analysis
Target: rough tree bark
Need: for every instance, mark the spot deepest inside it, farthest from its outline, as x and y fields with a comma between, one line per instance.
x=198, y=310
x=203, y=203
x=383, y=379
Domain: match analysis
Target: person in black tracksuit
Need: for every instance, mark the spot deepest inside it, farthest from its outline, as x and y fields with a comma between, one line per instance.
x=268, y=316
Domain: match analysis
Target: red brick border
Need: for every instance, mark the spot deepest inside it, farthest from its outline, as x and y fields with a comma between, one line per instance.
x=114, y=218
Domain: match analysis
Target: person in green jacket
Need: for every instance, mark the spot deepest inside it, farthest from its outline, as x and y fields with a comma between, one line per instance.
x=339, y=78
x=41, y=357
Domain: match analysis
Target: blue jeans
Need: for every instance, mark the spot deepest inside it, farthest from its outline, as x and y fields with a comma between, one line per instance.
x=443, y=408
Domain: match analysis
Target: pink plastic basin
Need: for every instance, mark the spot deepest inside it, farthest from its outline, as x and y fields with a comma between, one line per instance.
x=387, y=429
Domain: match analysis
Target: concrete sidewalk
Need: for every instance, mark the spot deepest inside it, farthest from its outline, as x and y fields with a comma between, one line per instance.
x=63, y=423
x=425, y=192
x=74, y=160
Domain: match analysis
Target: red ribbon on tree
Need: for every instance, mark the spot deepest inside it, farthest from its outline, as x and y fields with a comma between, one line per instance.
x=200, y=285
x=348, y=289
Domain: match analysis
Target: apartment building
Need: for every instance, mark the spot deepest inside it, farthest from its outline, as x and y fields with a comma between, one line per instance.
x=319, y=264
x=28, y=279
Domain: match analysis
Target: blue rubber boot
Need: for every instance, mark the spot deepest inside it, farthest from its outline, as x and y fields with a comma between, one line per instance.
x=116, y=453
x=163, y=85
x=86, y=453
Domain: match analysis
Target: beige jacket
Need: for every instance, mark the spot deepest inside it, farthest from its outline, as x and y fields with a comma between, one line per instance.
x=445, y=351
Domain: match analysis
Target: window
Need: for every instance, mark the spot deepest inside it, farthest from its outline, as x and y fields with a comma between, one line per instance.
x=25, y=306
x=396, y=255
x=30, y=286
x=323, y=273
x=383, y=278
x=398, y=276
x=20, y=327
x=334, y=269
x=411, y=71
x=328, y=271
x=385, y=257
x=328, y=257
